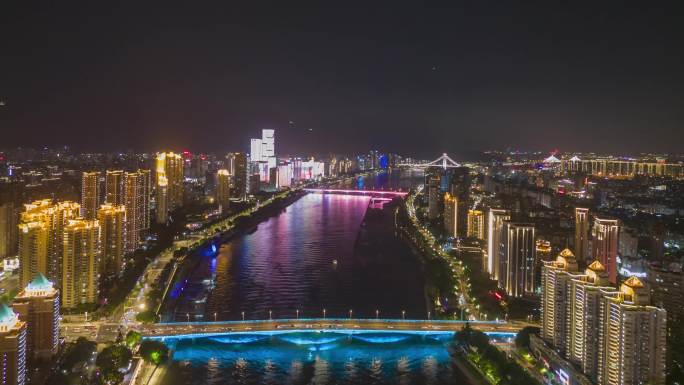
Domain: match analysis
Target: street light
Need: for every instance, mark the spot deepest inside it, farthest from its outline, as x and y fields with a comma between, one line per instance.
x=243, y=315
x=350, y=313
x=403, y=314
x=269, y=315
x=297, y=313
x=214, y=316
x=323, y=313
x=428, y=315
x=188, y=315
x=377, y=313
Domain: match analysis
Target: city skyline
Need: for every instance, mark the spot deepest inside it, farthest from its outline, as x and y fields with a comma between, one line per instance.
x=74, y=256
x=393, y=192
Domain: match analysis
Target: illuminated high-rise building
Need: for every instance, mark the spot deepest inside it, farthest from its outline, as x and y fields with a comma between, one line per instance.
x=112, y=220
x=33, y=249
x=169, y=177
x=285, y=175
x=114, y=187
x=268, y=145
x=632, y=337
x=8, y=230
x=667, y=291
x=495, y=221
x=253, y=183
x=255, y=150
x=475, y=224
x=146, y=181
x=38, y=306
x=80, y=262
x=585, y=301
x=457, y=182
x=613, y=336
x=581, y=233
x=223, y=189
x=517, y=259
x=555, y=283
x=90, y=194
x=34, y=236
x=41, y=232
x=451, y=215
x=605, y=245
x=238, y=170
x=434, y=196
x=262, y=154
x=162, y=200
x=12, y=347
x=137, y=203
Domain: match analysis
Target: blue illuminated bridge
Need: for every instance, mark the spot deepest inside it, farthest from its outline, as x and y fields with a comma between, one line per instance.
x=194, y=329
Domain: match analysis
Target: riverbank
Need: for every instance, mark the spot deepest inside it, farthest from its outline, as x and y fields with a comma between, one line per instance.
x=468, y=370
x=444, y=282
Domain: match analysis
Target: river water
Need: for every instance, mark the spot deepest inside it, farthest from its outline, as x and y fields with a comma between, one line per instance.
x=315, y=357
x=323, y=252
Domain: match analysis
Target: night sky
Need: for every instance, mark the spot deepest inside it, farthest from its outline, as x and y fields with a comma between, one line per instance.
x=598, y=76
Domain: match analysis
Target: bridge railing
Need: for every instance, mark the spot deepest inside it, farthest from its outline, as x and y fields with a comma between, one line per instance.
x=329, y=320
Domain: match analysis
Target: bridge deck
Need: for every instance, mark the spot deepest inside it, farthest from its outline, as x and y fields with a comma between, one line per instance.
x=210, y=328
x=381, y=193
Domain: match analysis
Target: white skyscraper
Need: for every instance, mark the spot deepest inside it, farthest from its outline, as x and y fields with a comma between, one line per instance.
x=268, y=148
x=262, y=153
x=495, y=222
x=255, y=150
x=268, y=143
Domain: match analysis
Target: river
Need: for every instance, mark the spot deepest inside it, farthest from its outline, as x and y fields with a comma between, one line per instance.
x=323, y=253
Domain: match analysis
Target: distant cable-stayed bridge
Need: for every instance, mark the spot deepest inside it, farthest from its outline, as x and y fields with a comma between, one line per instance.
x=443, y=161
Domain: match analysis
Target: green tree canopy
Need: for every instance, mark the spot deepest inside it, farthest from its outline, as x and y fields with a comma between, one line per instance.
x=154, y=351
x=132, y=339
x=110, y=361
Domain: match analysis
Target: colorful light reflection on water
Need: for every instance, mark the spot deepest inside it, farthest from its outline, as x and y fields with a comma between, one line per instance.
x=317, y=254
x=320, y=357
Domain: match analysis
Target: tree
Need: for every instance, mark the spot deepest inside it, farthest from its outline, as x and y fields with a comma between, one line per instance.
x=479, y=340
x=76, y=352
x=147, y=316
x=463, y=336
x=133, y=339
x=110, y=361
x=522, y=339
x=79, y=351
x=154, y=351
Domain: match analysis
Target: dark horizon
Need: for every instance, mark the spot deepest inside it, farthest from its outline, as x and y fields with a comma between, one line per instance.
x=415, y=81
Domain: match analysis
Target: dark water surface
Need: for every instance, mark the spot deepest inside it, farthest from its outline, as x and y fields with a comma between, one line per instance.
x=323, y=252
